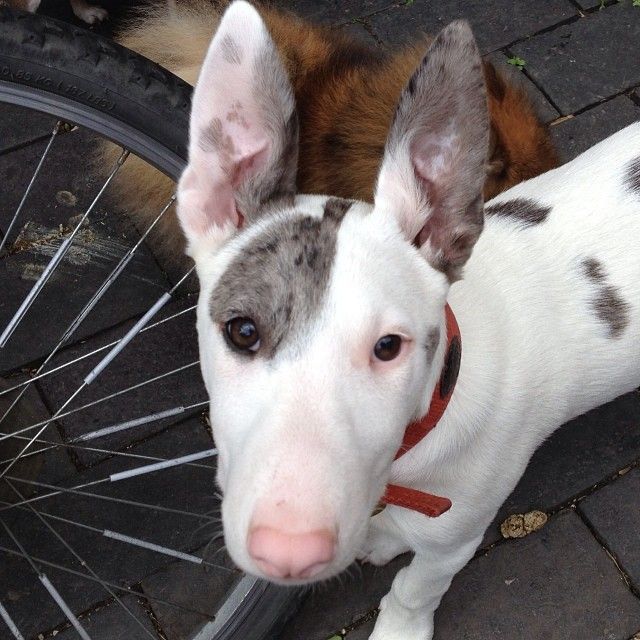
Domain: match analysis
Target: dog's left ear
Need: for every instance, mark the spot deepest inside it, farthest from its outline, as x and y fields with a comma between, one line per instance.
x=435, y=159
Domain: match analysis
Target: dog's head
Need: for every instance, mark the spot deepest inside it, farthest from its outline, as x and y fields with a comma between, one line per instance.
x=320, y=320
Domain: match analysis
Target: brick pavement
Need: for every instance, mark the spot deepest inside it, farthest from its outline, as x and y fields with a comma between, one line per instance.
x=579, y=576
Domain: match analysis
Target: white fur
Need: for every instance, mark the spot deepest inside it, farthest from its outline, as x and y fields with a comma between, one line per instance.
x=316, y=426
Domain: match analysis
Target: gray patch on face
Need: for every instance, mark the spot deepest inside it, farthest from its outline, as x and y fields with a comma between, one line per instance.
x=433, y=340
x=525, y=211
x=632, y=177
x=231, y=51
x=608, y=304
x=280, y=279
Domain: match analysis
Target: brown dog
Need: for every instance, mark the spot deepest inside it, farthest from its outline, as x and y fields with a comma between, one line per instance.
x=346, y=94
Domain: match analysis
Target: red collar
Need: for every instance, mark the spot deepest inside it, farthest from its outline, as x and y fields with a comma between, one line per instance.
x=427, y=503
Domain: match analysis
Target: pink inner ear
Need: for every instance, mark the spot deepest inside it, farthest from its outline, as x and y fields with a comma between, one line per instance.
x=433, y=158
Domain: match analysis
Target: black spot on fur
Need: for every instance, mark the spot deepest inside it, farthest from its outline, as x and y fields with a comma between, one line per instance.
x=632, y=178
x=281, y=277
x=451, y=367
x=594, y=270
x=609, y=306
x=525, y=211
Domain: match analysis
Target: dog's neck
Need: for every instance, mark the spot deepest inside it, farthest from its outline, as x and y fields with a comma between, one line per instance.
x=427, y=503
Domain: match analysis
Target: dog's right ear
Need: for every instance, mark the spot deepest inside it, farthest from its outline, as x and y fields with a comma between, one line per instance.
x=243, y=134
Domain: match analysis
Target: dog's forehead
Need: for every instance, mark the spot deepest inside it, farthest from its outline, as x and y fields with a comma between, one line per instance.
x=281, y=270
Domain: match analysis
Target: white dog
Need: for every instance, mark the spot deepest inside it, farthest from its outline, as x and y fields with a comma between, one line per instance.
x=322, y=321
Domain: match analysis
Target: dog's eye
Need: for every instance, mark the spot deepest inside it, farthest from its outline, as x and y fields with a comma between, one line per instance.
x=388, y=347
x=243, y=334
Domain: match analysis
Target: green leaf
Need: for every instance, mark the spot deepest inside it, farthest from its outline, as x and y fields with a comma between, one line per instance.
x=516, y=61
x=335, y=638
x=636, y=3
x=407, y=3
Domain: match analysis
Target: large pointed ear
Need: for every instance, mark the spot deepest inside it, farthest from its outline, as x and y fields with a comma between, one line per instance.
x=243, y=134
x=434, y=164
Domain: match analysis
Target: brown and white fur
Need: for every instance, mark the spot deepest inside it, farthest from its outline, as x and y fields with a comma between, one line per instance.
x=89, y=13
x=346, y=94
x=321, y=320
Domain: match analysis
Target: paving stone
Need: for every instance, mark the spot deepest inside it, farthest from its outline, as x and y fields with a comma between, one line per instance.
x=19, y=126
x=496, y=23
x=152, y=353
x=576, y=63
x=524, y=589
x=579, y=455
x=188, y=488
x=545, y=110
x=52, y=465
x=338, y=603
x=203, y=593
x=334, y=11
x=360, y=30
x=613, y=512
x=557, y=584
x=591, y=4
x=111, y=622
x=64, y=192
x=24, y=597
x=577, y=134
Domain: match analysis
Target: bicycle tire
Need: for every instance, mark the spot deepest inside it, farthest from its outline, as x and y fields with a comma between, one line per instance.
x=109, y=88
x=90, y=81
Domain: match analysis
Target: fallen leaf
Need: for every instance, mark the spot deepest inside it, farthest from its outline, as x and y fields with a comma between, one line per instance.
x=520, y=525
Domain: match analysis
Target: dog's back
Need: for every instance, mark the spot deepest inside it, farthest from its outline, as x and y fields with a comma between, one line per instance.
x=563, y=255
x=346, y=95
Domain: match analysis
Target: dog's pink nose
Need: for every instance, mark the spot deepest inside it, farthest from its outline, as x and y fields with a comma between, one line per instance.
x=291, y=555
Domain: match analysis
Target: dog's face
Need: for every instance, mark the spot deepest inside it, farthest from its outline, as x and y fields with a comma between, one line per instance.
x=320, y=320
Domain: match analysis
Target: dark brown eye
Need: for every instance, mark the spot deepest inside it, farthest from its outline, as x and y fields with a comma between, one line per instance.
x=388, y=347
x=243, y=334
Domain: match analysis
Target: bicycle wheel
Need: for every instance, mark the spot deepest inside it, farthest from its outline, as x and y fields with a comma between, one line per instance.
x=106, y=479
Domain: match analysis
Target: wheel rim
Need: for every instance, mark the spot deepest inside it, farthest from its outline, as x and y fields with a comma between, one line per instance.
x=247, y=590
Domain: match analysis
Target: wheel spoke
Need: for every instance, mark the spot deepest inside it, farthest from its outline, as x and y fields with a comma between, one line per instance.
x=57, y=259
x=48, y=585
x=63, y=414
x=56, y=130
x=84, y=564
x=79, y=490
x=10, y=623
x=70, y=363
x=102, y=289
